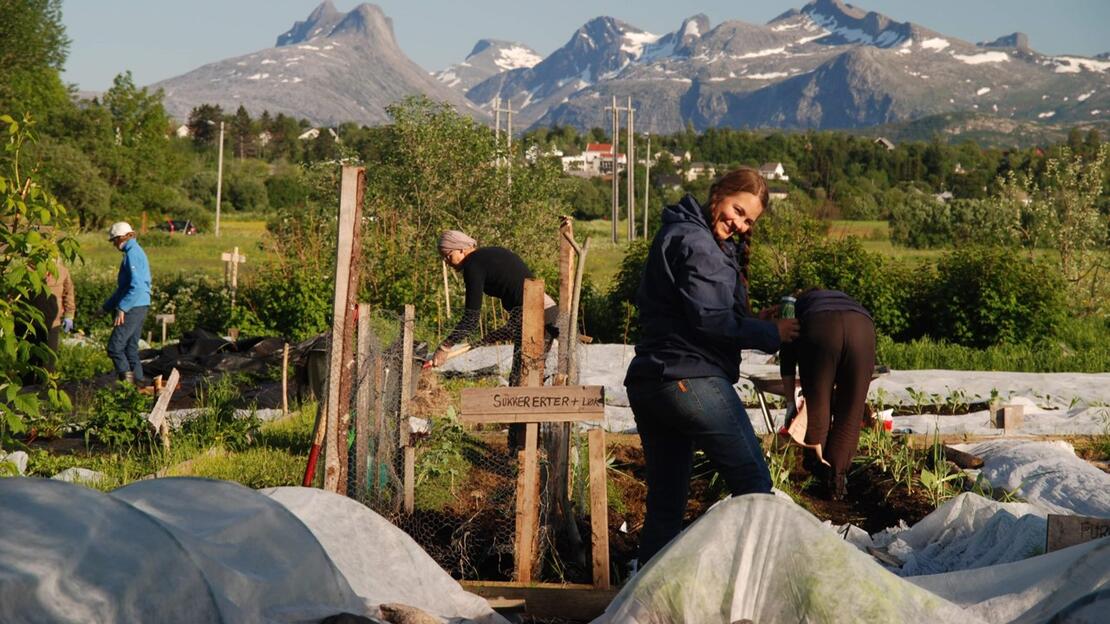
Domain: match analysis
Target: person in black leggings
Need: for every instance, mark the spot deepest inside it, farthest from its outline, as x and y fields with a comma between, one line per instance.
x=835, y=355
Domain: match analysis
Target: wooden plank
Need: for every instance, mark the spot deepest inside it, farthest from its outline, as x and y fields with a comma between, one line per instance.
x=1065, y=531
x=599, y=509
x=531, y=339
x=548, y=600
x=344, y=260
x=363, y=399
x=962, y=459
x=158, y=415
x=383, y=446
x=533, y=404
x=529, y=505
x=518, y=527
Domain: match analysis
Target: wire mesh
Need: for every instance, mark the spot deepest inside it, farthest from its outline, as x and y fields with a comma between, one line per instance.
x=466, y=478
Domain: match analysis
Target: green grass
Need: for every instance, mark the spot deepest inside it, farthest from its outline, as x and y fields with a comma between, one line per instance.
x=604, y=258
x=186, y=254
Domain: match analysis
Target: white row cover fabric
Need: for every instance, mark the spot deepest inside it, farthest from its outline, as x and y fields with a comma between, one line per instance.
x=966, y=532
x=764, y=559
x=1047, y=475
x=381, y=562
x=1055, y=403
x=199, y=550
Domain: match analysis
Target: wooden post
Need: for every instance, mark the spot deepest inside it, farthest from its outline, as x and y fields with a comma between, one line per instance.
x=285, y=380
x=363, y=400
x=382, y=444
x=406, y=394
x=142, y=228
x=347, y=254
x=531, y=374
x=599, y=509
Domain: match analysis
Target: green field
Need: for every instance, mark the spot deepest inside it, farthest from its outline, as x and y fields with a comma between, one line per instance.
x=180, y=254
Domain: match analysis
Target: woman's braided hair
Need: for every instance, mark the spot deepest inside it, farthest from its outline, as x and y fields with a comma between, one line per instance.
x=740, y=180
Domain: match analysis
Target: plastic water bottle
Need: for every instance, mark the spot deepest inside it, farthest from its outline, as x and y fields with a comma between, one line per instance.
x=788, y=306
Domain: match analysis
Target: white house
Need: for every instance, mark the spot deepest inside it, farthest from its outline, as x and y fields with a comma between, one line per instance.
x=773, y=171
x=885, y=142
x=182, y=131
x=699, y=169
x=312, y=133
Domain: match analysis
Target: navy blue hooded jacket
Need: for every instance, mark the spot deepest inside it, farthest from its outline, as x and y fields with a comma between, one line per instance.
x=694, y=315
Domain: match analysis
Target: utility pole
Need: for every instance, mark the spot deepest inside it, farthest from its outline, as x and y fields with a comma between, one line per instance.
x=615, y=210
x=630, y=172
x=647, y=178
x=219, y=179
x=508, y=110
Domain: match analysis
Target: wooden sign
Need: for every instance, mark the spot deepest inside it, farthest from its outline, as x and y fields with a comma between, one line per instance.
x=1064, y=531
x=540, y=404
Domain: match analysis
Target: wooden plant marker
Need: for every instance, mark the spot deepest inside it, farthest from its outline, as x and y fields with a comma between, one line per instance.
x=1064, y=531
x=231, y=270
x=547, y=404
x=165, y=319
x=1009, y=418
x=157, y=416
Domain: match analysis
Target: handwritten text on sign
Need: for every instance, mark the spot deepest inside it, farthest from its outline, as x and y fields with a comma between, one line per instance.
x=546, y=404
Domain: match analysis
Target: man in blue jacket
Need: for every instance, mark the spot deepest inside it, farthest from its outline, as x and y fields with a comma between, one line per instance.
x=128, y=305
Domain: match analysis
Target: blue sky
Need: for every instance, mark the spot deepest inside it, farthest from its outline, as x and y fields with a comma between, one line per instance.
x=158, y=39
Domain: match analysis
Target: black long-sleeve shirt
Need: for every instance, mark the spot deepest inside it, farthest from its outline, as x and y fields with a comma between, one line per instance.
x=810, y=303
x=493, y=271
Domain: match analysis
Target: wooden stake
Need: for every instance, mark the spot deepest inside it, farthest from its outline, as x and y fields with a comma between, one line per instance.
x=446, y=289
x=531, y=374
x=342, y=329
x=406, y=394
x=285, y=380
x=142, y=229
x=157, y=415
x=363, y=400
x=599, y=509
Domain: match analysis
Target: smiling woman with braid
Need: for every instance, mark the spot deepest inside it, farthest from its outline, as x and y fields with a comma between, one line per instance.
x=695, y=319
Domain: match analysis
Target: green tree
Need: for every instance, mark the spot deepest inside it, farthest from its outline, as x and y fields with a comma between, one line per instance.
x=204, y=125
x=33, y=49
x=243, y=134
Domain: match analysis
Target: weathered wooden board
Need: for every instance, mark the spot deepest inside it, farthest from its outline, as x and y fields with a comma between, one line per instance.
x=1064, y=531
x=540, y=404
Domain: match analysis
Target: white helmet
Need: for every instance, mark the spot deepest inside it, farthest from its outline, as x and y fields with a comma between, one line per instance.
x=120, y=228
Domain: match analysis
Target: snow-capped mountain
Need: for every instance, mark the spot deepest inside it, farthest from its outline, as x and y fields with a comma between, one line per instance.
x=489, y=57
x=330, y=68
x=826, y=65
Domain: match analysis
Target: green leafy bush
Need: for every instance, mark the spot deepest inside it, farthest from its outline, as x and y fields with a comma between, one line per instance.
x=79, y=362
x=985, y=296
x=118, y=418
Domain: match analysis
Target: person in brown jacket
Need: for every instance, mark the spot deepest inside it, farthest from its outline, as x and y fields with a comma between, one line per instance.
x=58, y=306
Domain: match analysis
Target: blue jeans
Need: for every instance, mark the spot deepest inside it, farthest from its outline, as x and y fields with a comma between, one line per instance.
x=675, y=417
x=123, y=344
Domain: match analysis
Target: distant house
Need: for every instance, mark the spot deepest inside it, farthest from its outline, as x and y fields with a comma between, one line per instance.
x=944, y=197
x=773, y=171
x=265, y=137
x=668, y=181
x=595, y=161
x=182, y=132
x=959, y=169
x=699, y=169
x=312, y=133
x=885, y=142
x=776, y=195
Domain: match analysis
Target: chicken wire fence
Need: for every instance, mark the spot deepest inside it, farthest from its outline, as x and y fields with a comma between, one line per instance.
x=465, y=479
